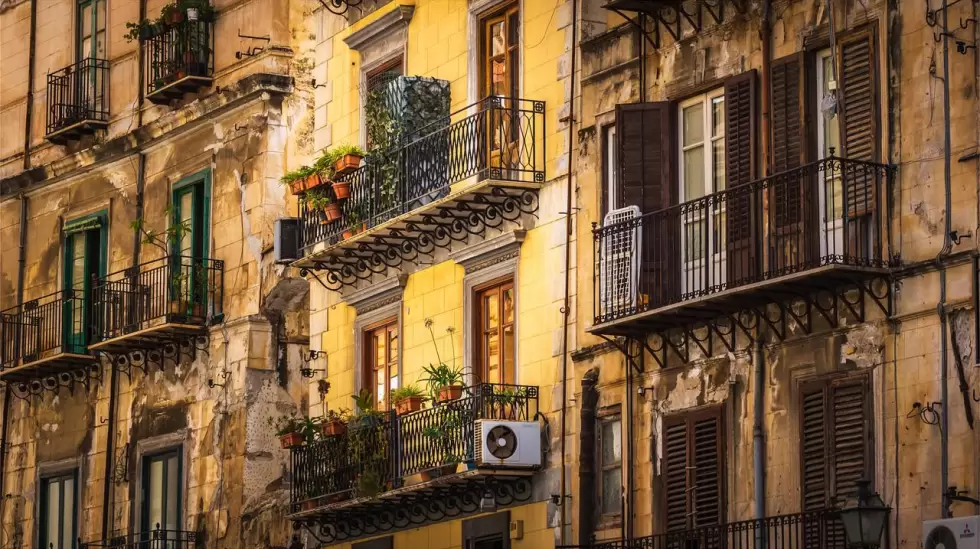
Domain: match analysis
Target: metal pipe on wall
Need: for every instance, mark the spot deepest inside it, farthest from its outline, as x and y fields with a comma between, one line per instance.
x=31, y=67
x=586, y=468
x=940, y=264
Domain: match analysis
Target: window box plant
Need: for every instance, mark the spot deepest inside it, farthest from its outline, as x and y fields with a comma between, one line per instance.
x=355, y=221
x=293, y=431
x=334, y=423
x=347, y=159
x=318, y=200
x=297, y=180
x=408, y=399
x=444, y=381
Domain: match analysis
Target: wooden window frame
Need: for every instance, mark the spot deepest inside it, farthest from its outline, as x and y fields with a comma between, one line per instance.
x=43, y=505
x=481, y=348
x=610, y=415
x=827, y=384
x=690, y=418
x=486, y=21
x=81, y=5
x=368, y=374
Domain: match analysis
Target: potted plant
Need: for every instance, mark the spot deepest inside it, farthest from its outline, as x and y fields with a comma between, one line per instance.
x=355, y=222
x=334, y=423
x=296, y=179
x=447, y=430
x=318, y=200
x=444, y=382
x=367, y=444
x=348, y=158
x=408, y=399
x=293, y=431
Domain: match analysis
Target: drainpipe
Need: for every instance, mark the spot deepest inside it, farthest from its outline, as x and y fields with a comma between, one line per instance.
x=31, y=62
x=566, y=303
x=586, y=463
x=941, y=306
x=765, y=34
x=759, y=432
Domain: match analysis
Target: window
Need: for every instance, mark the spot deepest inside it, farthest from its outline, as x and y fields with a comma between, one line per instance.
x=693, y=470
x=57, y=521
x=381, y=368
x=702, y=172
x=500, y=66
x=189, y=251
x=495, y=313
x=91, y=29
x=609, y=168
x=488, y=532
x=375, y=81
x=86, y=241
x=610, y=466
x=162, y=480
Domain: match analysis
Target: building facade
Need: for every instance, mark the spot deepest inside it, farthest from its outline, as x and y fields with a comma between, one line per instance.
x=148, y=335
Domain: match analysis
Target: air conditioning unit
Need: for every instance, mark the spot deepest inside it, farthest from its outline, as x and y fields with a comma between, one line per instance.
x=507, y=443
x=286, y=244
x=619, y=262
x=953, y=533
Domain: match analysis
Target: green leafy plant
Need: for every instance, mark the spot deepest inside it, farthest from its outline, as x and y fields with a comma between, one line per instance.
x=448, y=428
x=367, y=443
x=355, y=217
x=293, y=423
x=138, y=30
x=442, y=374
x=407, y=392
x=317, y=199
x=343, y=150
x=342, y=415
x=299, y=173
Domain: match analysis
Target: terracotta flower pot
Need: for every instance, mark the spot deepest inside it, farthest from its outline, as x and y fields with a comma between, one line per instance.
x=450, y=392
x=341, y=189
x=347, y=164
x=408, y=405
x=309, y=505
x=291, y=440
x=313, y=181
x=332, y=211
x=334, y=428
x=297, y=186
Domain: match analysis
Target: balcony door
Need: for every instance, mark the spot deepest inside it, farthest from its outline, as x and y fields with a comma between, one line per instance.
x=57, y=528
x=702, y=173
x=830, y=187
x=91, y=45
x=500, y=83
x=189, y=277
x=161, y=495
x=85, y=260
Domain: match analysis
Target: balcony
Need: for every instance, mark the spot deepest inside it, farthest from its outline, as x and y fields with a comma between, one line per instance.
x=790, y=235
x=473, y=171
x=78, y=101
x=377, y=476
x=155, y=539
x=810, y=530
x=45, y=338
x=179, y=60
x=168, y=300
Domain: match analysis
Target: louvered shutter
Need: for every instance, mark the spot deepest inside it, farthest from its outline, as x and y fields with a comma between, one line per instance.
x=813, y=449
x=706, y=462
x=851, y=444
x=644, y=136
x=675, y=476
x=858, y=110
x=743, y=208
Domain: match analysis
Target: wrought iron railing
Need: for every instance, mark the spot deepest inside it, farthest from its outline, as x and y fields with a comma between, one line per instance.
x=154, y=539
x=78, y=93
x=810, y=530
x=377, y=455
x=183, y=50
x=49, y=324
x=497, y=138
x=178, y=289
x=828, y=212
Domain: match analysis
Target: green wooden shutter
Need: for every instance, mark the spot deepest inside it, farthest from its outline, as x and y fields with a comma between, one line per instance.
x=743, y=209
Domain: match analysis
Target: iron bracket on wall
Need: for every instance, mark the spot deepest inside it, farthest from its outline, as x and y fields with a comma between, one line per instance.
x=661, y=18
x=79, y=377
x=173, y=350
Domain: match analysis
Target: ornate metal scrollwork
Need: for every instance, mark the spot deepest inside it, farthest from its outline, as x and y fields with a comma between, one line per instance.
x=72, y=379
x=339, y=7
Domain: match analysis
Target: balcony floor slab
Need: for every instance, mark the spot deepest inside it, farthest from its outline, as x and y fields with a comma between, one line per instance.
x=50, y=365
x=153, y=336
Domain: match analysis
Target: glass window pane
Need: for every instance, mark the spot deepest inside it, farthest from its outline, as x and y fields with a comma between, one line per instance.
x=78, y=261
x=186, y=214
x=693, y=173
x=172, y=498
x=498, y=39
x=68, y=515
x=393, y=345
x=52, y=514
x=693, y=124
x=508, y=305
x=100, y=15
x=694, y=240
x=513, y=26
x=718, y=116
x=85, y=29
x=510, y=373
x=612, y=443
x=100, y=45
x=155, y=494
x=612, y=491
x=718, y=164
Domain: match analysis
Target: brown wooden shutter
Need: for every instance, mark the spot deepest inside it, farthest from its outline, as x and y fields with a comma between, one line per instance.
x=852, y=435
x=743, y=208
x=813, y=449
x=645, y=139
x=675, y=475
x=858, y=110
x=693, y=470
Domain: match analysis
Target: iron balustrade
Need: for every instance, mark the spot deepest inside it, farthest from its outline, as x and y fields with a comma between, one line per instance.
x=496, y=138
x=180, y=51
x=398, y=446
x=157, y=538
x=828, y=212
x=47, y=325
x=78, y=93
x=810, y=530
x=174, y=289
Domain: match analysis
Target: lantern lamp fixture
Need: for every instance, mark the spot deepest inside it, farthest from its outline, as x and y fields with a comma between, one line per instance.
x=865, y=517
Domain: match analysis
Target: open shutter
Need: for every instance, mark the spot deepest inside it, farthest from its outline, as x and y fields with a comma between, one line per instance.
x=675, y=476
x=706, y=496
x=851, y=438
x=859, y=133
x=643, y=132
x=813, y=450
x=743, y=207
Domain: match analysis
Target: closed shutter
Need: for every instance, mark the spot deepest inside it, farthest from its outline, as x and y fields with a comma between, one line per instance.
x=693, y=471
x=813, y=448
x=743, y=208
x=852, y=435
x=643, y=132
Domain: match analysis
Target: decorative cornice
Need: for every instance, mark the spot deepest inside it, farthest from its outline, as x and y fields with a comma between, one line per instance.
x=382, y=27
x=487, y=253
x=378, y=295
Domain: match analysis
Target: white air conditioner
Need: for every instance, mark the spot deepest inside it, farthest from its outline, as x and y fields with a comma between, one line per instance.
x=507, y=443
x=619, y=262
x=953, y=533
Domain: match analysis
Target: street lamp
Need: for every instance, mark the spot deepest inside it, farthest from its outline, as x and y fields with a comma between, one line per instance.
x=864, y=518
